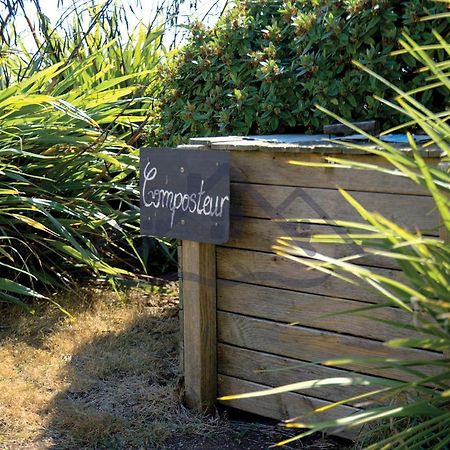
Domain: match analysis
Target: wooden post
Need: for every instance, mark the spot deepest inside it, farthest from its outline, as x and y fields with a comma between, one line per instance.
x=199, y=312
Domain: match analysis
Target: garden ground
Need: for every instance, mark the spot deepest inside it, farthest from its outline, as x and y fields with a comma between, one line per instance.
x=109, y=378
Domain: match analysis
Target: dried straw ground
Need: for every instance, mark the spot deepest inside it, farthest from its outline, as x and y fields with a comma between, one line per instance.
x=106, y=379
x=109, y=379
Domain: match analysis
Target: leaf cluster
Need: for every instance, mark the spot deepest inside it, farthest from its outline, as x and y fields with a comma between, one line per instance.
x=265, y=64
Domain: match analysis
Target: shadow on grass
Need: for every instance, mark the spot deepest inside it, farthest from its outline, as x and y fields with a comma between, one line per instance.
x=122, y=388
x=107, y=380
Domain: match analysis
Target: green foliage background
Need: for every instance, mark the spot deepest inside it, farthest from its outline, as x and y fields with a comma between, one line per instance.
x=266, y=64
x=72, y=115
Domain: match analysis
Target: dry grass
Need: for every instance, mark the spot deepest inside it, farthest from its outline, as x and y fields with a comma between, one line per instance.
x=106, y=380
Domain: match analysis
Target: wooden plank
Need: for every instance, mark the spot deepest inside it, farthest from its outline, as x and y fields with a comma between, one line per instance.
x=199, y=306
x=281, y=202
x=260, y=234
x=274, y=168
x=270, y=270
x=300, y=144
x=312, y=345
x=309, y=310
x=281, y=406
x=272, y=370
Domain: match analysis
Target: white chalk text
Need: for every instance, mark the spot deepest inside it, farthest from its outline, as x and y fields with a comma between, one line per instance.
x=192, y=203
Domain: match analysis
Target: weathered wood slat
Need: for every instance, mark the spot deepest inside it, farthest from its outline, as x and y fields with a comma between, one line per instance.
x=282, y=406
x=310, y=310
x=311, y=345
x=199, y=327
x=281, y=202
x=274, y=168
x=261, y=234
x=274, y=271
x=272, y=370
x=299, y=144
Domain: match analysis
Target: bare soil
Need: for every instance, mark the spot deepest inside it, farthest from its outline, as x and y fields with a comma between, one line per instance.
x=108, y=378
x=249, y=432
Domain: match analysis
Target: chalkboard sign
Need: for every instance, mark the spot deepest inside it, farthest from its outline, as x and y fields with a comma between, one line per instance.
x=185, y=194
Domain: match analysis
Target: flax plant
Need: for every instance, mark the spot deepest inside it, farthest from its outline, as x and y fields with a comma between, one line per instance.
x=71, y=117
x=398, y=414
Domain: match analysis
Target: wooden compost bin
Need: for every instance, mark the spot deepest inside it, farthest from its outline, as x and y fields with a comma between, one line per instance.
x=240, y=300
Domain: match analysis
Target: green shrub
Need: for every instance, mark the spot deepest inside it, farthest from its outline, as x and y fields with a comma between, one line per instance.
x=265, y=65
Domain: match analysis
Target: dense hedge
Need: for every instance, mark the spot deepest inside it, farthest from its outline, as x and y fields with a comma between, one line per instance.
x=266, y=63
